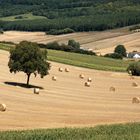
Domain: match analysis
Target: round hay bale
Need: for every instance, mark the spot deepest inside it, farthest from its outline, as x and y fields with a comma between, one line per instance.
x=36, y=90
x=2, y=107
x=134, y=84
x=60, y=69
x=135, y=100
x=67, y=70
x=87, y=84
x=112, y=89
x=89, y=79
x=81, y=76
x=54, y=78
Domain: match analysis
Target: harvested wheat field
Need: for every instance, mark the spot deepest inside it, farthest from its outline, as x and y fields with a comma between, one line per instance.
x=67, y=102
x=101, y=42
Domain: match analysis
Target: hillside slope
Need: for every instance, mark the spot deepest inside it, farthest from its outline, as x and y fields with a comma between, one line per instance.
x=67, y=102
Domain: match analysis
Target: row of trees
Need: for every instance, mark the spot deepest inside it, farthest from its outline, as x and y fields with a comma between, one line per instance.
x=72, y=46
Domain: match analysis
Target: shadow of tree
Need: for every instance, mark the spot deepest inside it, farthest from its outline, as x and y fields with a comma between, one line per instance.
x=22, y=85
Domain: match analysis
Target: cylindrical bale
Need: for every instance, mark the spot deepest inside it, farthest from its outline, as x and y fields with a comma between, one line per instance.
x=134, y=84
x=2, y=107
x=54, y=78
x=135, y=100
x=60, y=69
x=36, y=90
x=81, y=76
x=112, y=89
x=87, y=84
x=89, y=79
x=67, y=70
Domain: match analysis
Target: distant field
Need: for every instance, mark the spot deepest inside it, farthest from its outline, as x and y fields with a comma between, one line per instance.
x=24, y=17
x=80, y=60
x=101, y=42
x=110, y=132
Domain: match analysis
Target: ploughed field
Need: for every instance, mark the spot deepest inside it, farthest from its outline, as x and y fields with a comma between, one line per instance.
x=66, y=102
x=101, y=42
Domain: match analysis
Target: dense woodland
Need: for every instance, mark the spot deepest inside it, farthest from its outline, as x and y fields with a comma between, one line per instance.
x=79, y=15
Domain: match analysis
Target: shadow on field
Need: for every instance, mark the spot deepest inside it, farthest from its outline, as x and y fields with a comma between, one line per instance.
x=22, y=85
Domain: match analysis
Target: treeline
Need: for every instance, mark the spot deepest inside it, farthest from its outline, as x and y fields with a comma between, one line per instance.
x=89, y=23
x=72, y=46
x=78, y=15
x=60, y=32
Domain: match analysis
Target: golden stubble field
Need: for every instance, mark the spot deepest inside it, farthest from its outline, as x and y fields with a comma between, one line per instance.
x=67, y=102
x=101, y=42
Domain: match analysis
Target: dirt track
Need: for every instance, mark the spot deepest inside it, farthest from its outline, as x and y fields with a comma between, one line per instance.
x=67, y=102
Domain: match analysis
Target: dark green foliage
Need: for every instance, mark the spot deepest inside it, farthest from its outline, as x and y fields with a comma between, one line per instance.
x=114, y=56
x=28, y=58
x=120, y=49
x=134, y=27
x=78, y=15
x=134, y=69
x=105, y=132
x=74, y=44
x=71, y=47
x=59, y=32
x=1, y=31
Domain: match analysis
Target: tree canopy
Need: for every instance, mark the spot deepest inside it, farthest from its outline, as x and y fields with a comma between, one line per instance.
x=28, y=58
x=120, y=49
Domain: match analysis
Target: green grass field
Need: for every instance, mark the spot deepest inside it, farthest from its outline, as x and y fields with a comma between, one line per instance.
x=24, y=17
x=81, y=60
x=87, y=61
x=104, y=132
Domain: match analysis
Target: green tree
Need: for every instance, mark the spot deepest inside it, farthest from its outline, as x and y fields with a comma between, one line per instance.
x=134, y=69
x=120, y=49
x=74, y=44
x=28, y=58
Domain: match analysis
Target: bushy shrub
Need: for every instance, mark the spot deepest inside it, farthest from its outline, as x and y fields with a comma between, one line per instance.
x=114, y=55
x=74, y=44
x=134, y=69
x=120, y=49
x=59, y=32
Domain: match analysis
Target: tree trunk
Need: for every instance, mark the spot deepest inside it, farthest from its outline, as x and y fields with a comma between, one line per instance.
x=28, y=78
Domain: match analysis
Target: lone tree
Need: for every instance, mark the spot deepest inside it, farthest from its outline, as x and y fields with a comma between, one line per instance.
x=120, y=49
x=28, y=58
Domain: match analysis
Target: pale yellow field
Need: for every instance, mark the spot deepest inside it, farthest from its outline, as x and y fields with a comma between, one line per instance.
x=101, y=42
x=67, y=102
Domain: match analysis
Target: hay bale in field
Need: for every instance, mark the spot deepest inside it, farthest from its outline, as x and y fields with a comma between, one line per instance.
x=81, y=76
x=135, y=100
x=36, y=90
x=60, y=69
x=134, y=84
x=87, y=84
x=112, y=89
x=89, y=79
x=67, y=70
x=2, y=107
x=54, y=78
